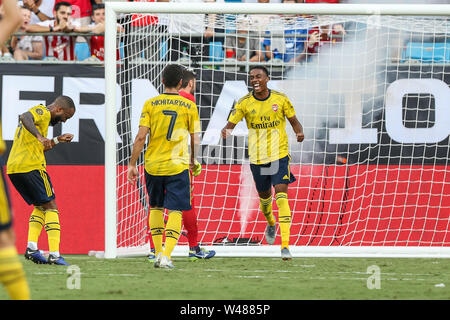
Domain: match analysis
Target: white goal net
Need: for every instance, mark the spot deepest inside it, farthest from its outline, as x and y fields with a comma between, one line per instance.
x=371, y=91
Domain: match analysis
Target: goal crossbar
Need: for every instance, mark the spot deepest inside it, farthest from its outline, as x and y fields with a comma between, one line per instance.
x=112, y=9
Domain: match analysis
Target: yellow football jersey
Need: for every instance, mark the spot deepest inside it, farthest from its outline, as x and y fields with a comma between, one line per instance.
x=2, y=142
x=171, y=118
x=27, y=153
x=266, y=122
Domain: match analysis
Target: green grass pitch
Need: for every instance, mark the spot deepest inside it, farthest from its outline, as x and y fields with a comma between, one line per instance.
x=223, y=278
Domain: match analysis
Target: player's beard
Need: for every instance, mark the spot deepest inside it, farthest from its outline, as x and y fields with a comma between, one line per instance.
x=55, y=121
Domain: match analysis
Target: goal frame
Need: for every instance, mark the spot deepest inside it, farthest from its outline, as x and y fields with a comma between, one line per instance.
x=112, y=9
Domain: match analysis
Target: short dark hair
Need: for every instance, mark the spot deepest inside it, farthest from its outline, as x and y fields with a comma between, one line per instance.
x=188, y=75
x=172, y=75
x=97, y=6
x=260, y=68
x=65, y=102
x=62, y=4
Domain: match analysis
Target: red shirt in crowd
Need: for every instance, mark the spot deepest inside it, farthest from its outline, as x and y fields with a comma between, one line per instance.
x=325, y=37
x=142, y=20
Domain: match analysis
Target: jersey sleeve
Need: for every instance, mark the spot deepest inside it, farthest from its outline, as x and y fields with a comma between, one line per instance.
x=41, y=115
x=194, y=120
x=237, y=113
x=144, y=121
x=288, y=108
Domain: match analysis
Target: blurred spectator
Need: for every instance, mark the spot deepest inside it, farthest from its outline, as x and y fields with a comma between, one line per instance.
x=41, y=10
x=82, y=10
x=289, y=47
x=60, y=47
x=190, y=34
x=97, y=42
x=245, y=45
x=323, y=35
x=26, y=47
x=144, y=39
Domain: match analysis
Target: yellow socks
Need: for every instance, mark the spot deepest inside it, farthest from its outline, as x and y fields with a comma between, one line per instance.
x=266, y=208
x=53, y=230
x=156, y=224
x=173, y=230
x=35, y=225
x=12, y=275
x=284, y=218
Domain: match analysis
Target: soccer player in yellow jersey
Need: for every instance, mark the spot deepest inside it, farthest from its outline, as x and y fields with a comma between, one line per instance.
x=169, y=120
x=265, y=112
x=12, y=275
x=26, y=168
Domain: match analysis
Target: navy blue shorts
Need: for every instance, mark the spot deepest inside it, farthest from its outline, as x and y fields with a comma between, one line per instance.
x=5, y=207
x=169, y=192
x=35, y=186
x=272, y=173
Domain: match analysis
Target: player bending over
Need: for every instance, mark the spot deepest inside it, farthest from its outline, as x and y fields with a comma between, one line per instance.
x=26, y=168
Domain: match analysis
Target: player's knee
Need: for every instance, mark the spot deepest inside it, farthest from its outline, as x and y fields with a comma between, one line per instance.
x=51, y=205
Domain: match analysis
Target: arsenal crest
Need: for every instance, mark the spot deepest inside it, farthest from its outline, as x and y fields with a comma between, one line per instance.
x=275, y=107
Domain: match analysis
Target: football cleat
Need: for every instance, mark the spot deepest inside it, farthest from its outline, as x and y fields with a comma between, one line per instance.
x=35, y=256
x=57, y=260
x=158, y=260
x=152, y=257
x=166, y=263
x=202, y=254
x=285, y=254
x=270, y=234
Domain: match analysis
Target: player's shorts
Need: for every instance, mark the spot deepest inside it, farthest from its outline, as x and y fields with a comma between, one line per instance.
x=35, y=186
x=5, y=207
x=169, y=192
x=272, y=173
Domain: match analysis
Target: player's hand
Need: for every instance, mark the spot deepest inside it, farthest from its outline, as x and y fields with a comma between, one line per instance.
x=132, y=174
x=196, y=168
x=225, y=133
x=66, y=137
x=47, y=143
x=313, y=39
x=300, y=137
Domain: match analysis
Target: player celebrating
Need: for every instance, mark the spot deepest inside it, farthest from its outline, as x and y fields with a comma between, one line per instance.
x=12, y=275
x=169, y=119
x=26, y=169
x=265, y=112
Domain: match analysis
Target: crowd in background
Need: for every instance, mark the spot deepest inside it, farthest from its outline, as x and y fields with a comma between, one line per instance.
x=54, y=29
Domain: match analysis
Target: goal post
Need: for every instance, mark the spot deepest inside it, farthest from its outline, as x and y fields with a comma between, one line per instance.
x=372, y=174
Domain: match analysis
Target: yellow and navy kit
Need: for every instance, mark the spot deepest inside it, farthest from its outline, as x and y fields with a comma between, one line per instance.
x=171, y=118
x=27, y=153
x=266, y=121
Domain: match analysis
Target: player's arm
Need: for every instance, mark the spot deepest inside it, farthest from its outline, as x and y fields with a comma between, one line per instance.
x=138, y=146
x=27, y=120
x=298, y=128
x=11, y=20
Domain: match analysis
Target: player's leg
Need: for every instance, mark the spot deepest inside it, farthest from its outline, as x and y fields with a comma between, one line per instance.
x=12, y=275
x=155, y=190
x=281, y=180
x=177, y=199
x=264, y=188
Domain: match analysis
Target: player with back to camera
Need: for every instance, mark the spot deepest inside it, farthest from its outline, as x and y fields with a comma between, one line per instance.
x=169, y=119
x=12, y=275
x=265, y=112
x=187, y=90
x=26, y=168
